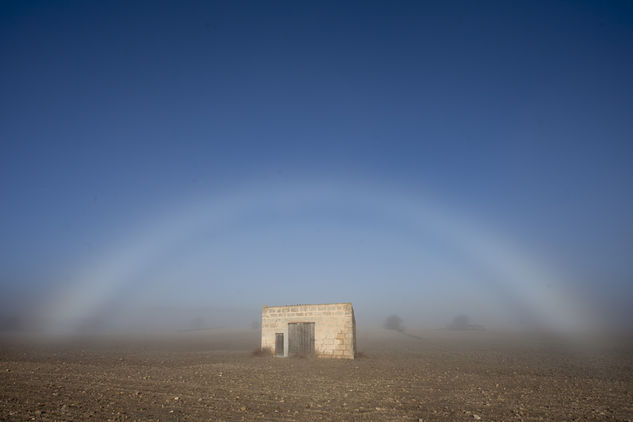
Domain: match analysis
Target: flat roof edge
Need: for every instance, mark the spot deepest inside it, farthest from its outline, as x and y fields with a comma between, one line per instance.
x=309, y=304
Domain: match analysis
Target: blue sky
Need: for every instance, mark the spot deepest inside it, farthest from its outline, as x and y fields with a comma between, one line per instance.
x=514, y=116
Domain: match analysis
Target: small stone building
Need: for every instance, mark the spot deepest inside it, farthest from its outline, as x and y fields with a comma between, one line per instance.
x=321, y=330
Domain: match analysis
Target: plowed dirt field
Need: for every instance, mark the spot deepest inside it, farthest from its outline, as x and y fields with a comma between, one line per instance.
x=214, y=376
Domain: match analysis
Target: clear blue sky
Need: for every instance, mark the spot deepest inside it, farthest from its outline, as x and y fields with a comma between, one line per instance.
x=517, y=116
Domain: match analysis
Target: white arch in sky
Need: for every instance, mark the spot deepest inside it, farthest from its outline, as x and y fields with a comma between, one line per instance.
x=98, y=282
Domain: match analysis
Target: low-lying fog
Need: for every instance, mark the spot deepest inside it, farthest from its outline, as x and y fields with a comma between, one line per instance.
x=214, y=264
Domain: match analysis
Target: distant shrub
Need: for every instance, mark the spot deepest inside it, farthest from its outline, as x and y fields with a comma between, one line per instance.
x=262, y=352
x=196, y=324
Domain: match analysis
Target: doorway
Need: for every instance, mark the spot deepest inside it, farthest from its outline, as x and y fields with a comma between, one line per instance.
x=279, y=344
x=301, y=338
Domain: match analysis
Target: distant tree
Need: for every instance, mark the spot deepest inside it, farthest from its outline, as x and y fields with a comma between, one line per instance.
x=394, y=322
x=460, y=322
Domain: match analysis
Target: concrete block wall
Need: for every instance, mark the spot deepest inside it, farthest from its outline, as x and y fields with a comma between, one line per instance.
x=334, y=327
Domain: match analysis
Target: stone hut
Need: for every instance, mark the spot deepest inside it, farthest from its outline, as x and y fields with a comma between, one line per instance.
x=320, y=330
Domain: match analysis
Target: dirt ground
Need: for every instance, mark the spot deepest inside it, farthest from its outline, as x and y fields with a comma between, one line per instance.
x=213, y=376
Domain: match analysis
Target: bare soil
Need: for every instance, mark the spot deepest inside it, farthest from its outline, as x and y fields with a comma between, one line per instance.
x=213, y=375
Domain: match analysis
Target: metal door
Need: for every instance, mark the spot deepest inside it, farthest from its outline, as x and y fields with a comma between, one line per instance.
x=279, y=344
x=301, y=338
